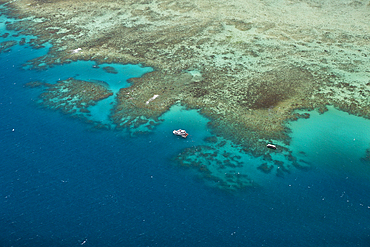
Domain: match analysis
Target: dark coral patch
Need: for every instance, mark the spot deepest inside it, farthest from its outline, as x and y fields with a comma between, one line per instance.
x=6, y=45
x=276, y=86
x=73, y=95
x=265, y=168
x=110, y=69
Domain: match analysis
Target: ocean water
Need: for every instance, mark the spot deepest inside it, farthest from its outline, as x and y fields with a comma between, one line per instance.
x=64, y=183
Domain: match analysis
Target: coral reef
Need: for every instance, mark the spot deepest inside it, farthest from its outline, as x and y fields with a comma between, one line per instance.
x=110, y=69
x=71, y=95
x=225, y=165
x=6, y=45
x=265, y=168
x=246, y=65
x=366, y=159
x=220, y=171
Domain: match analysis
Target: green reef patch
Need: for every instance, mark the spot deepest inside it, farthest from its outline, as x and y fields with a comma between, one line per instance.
x=6, y=45
x=72, y=96
x=227, y=166
x=110, y=69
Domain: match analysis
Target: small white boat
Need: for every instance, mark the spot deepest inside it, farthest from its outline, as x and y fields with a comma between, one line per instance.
x=180, y=132
x=271, y=146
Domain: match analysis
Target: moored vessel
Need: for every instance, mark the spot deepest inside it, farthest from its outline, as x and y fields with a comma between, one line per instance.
x=180, y=132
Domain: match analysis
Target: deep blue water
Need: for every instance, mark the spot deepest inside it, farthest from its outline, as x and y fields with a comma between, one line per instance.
x=64, y=184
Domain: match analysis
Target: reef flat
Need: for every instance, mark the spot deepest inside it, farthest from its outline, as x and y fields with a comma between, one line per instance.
x=72, y=96
x=246, y=64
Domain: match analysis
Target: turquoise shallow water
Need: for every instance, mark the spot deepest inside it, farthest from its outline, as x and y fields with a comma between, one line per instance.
x=335, y=140
x=63, y=184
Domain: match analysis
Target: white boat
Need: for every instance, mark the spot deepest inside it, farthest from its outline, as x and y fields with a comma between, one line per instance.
x=180, y=132
x=271, y=146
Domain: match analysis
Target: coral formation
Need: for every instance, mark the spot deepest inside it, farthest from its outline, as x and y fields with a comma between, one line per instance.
x=71, y=95
x=6, y=45
x=247, y=66
x=110, y=69
x=222, y=170
x=225, y=165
